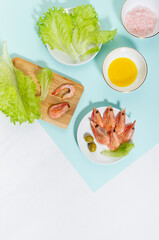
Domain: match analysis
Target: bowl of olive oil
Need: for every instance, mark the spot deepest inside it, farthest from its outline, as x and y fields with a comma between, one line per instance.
x=124, y=69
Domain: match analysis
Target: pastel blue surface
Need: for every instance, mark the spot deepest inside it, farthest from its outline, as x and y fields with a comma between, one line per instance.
x=18, y=26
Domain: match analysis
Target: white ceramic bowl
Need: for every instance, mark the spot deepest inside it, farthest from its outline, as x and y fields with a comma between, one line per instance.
x=66, y=59
x=151, y=4
x=133, y=55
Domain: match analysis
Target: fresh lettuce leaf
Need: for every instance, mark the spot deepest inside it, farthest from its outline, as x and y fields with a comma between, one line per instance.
x=91, y=51
x=55, y=29
x=86, y=22
x=17, y=92
x=44, y=79
x=87, y=34
x=122, y=151
x=78, y=33
x=85, y=12
x=97, y=37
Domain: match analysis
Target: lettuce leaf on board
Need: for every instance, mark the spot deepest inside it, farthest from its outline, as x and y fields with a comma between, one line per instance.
x=122, y=151
x=17, y=92
x=44, y=79
x=55, y=29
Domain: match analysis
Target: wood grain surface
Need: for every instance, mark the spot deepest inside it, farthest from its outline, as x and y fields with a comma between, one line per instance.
x=33, y=70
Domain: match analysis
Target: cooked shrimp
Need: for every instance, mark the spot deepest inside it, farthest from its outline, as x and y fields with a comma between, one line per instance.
x=114, y=141
x=100, y=134
x=66, y=95
x=58, y=110
x=128, y=132
x=109, y=119
x=120, y=122
x=96, y=117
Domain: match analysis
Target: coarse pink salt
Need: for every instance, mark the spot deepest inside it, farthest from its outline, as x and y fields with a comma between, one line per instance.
x=140, y=21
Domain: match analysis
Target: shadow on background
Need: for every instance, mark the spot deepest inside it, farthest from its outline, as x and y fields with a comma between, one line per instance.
x=119, y=41
x=41, y=63
x=105, y=23
x=118, y=4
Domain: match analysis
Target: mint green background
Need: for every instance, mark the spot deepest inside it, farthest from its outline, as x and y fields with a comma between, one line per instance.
x=18, y=26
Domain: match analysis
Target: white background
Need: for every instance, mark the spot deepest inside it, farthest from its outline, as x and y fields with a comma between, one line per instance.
x=43, y=197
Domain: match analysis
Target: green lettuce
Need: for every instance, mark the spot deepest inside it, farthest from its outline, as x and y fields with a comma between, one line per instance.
x=55, y=29
x=122, y=151
x=90, y=51
x=96, y=37
x=78, y=34
x=44, y=79
x=17, y=92
x=86, y=32
x=86, y=21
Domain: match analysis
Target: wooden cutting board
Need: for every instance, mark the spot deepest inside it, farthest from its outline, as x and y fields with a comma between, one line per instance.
x=33, y=70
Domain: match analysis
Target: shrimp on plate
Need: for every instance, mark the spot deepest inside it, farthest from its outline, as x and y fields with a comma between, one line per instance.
x=109, y=130
x=109, y=119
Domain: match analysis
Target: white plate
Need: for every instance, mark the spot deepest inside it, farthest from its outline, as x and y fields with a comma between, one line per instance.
x=66, y=59
x=133, y=55
x=85, y=128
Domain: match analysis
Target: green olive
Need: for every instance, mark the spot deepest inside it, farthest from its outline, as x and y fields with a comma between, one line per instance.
x=89, y=139
x=92, y=147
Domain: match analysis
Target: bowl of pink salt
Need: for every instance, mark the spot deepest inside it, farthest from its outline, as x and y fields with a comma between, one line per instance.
x=141, y=17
